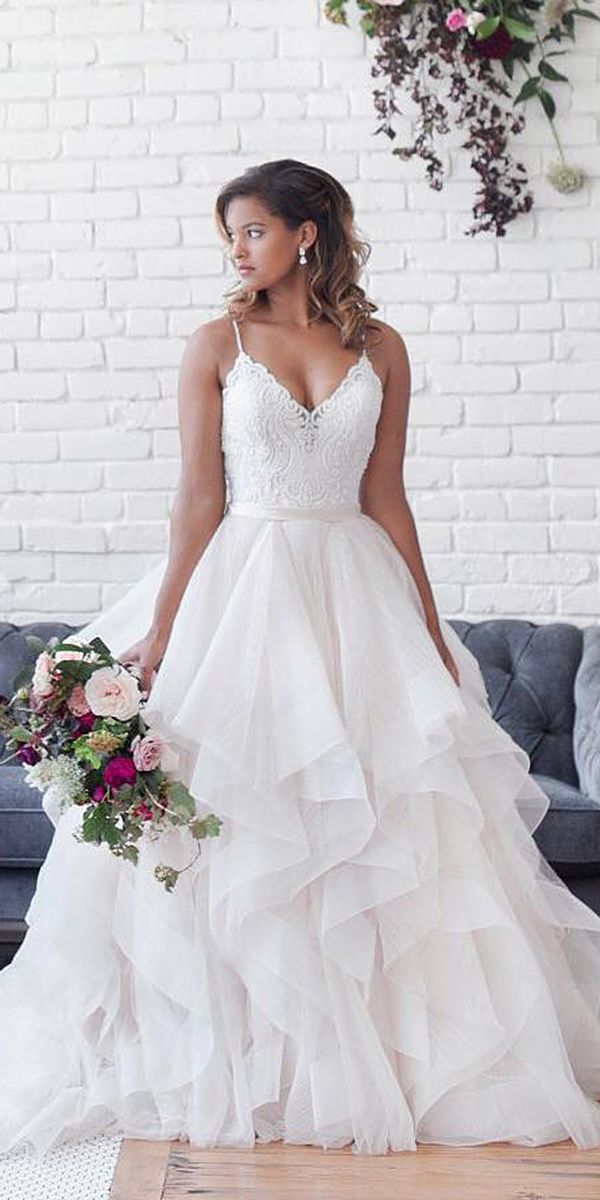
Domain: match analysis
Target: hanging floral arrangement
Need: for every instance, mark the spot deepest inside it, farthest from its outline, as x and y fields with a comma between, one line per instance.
x=467, y=55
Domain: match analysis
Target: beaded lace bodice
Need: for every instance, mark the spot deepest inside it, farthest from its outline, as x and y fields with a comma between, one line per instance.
x=278, y=452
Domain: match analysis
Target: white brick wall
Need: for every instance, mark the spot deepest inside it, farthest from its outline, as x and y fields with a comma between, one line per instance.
x=119, y=120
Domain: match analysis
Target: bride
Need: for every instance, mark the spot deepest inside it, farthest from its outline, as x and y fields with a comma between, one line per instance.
x=373, y=952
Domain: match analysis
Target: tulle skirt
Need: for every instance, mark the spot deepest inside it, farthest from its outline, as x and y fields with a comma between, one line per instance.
x=373, y=951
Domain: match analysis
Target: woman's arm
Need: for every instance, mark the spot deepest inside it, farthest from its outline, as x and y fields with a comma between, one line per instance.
x=382, y=486
x=382, y=494
x=199, y=501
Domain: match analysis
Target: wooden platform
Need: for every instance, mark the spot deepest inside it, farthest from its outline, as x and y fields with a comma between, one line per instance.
x=499, y=1171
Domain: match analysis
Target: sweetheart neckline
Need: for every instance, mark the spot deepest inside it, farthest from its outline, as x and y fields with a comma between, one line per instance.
x=364, y=357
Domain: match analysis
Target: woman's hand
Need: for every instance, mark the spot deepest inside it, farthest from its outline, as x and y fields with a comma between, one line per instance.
x=444, y=652
x=146, y=655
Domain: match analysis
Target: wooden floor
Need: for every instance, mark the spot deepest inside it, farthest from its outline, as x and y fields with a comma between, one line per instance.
x=502, y=1171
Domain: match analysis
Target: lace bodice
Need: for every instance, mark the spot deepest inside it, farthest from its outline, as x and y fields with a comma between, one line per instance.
x=278, y=452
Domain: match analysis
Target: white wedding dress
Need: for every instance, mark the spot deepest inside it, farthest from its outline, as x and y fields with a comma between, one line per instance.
x=373, y=951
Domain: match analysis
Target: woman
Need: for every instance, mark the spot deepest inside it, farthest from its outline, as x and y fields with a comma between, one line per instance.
x=373, y=951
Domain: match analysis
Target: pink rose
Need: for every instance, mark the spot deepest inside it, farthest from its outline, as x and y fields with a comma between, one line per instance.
x=153, y=751
x=42, y=684
x=98, y=794
x=169, y=757
x=77, y=701
x=456, y=19
x=113, y=692
x=119, y=770
x=146, y=751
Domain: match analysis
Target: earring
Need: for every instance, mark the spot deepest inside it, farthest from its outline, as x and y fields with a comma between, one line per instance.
x=302, y=256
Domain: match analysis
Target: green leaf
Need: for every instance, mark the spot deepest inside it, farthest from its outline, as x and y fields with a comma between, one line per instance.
x=518, y=29
x=35, y=643
x=487, y=27
x=22, y=678
x=84, y=753
x=130, y=852
x=209, y=826
x=98, y=826
x=124, y=793
x=180, y=801
x=100, y=647
x=18, y=733
x=548, y=103
x=69, y=668
x=530, y=88
x=548, y=72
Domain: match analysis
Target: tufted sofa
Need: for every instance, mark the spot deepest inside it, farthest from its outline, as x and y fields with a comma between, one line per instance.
x=543, y=682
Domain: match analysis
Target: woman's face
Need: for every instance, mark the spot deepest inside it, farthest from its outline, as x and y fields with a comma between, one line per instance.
x=262, y=248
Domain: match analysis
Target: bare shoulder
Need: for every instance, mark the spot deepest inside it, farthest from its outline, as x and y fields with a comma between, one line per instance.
x=388, y=351
x=210, y=342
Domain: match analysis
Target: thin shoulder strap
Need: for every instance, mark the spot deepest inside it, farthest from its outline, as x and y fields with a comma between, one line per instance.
x=237, y=334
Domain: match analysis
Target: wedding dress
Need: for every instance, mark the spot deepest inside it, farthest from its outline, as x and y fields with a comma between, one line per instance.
x=373, y=951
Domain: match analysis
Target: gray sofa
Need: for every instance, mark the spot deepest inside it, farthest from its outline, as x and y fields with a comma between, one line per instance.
x=543, y=683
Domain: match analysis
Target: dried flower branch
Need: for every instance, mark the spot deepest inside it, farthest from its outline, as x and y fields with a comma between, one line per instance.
x=438, y=54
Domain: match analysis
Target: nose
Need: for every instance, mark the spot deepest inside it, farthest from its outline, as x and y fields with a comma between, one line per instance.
x=236, y=251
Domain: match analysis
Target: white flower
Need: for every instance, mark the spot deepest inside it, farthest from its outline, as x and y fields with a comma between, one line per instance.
x=60, y=779
x=39, y=774
x=474, y=19
x=565, y=178
x=113, y=692
x=553, y=11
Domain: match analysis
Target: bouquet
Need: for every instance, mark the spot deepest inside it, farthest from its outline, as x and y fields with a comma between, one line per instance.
x=76, y=721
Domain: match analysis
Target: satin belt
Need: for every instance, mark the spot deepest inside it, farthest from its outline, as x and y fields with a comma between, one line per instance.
x=273, y=512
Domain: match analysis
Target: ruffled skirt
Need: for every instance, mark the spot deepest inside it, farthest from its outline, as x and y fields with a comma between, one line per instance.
x=373, y=951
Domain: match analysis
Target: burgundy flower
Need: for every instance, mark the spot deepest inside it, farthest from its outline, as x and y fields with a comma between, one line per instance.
x=118, y=771
x=497, y=45
x=144, y=811
x=85, y=723
x=28, y=754
x=98, y=794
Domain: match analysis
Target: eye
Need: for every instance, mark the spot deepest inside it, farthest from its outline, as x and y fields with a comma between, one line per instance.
x=229, y=235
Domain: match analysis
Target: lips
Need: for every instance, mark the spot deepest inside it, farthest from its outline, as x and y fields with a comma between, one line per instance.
x=245, y=270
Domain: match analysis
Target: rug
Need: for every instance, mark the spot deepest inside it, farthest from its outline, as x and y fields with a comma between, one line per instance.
x=79, y=1170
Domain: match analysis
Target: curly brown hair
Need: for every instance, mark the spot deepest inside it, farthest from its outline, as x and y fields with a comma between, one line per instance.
x=297, y=192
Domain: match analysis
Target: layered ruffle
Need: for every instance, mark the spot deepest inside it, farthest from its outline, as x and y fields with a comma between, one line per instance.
x=373, y=951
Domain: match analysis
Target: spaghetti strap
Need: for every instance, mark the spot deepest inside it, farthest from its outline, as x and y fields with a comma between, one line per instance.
x=237, y=334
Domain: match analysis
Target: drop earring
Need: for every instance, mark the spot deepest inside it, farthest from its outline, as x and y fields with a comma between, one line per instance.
x=302, y=256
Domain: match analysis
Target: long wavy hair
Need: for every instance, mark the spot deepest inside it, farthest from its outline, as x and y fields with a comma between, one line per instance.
x=297, y=192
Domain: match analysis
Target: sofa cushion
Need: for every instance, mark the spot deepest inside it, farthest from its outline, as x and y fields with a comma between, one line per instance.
x=16, y=892
x=586, y=728
x=25, y=830
x=529, y=672
x=569, y=834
